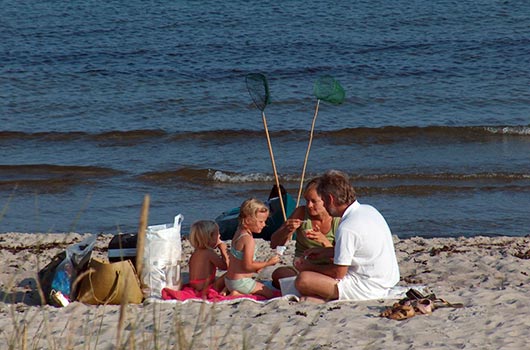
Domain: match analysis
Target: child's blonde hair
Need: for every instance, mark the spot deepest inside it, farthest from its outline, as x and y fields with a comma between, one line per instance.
x=250, y=209
x=201, y=233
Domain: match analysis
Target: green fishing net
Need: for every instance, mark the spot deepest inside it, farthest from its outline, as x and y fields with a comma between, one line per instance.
x=328, y=89
x=258, y=88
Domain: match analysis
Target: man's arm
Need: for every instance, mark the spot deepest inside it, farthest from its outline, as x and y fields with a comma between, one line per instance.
x=334, y=271
x=319, y=253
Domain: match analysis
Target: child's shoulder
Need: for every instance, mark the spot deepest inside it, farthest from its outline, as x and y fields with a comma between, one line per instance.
x=242, y=237
x=202, y=255
x=201, y=251
x=206, y=251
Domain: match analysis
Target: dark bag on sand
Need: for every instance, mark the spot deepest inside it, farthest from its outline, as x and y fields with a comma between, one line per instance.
x=122, y=247
x=110, y=283
x=56, y=279
x=47, y=274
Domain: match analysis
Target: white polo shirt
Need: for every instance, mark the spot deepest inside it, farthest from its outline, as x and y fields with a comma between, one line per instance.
x=363, y=242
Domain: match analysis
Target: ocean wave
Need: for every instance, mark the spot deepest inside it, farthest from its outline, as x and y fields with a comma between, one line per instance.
x=361, y=134
x=230, y=177
x=108, y=136
x=500, y=177
x=226, y=177
x=189, y=175
x=213, y=176
x=50, y=178
x=430, y=190
x=398, y=133
x=49, y=185
x=207, y=176
x=509, y=130
x=45, y=136
x=72, y=171
x=412, y=185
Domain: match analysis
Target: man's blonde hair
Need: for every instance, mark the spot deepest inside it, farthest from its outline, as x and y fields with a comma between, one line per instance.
x=201, y=233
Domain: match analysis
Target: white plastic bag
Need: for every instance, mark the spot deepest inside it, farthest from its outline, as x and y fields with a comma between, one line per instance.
x=161, y=261
x=287, y=286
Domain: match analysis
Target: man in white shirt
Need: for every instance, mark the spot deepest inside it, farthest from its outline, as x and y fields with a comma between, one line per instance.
x=364, y=261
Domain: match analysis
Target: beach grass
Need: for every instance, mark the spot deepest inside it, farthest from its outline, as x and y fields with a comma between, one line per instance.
x=197, y=325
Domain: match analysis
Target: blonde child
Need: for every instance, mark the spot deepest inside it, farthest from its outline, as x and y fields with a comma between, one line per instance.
x=252, y=216
x=204, y=261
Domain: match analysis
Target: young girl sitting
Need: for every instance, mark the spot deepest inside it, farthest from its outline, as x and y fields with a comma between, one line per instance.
x=204, y=262
x=252, y=216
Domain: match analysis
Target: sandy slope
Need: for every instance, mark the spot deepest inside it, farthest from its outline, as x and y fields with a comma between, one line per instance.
x=489, y=275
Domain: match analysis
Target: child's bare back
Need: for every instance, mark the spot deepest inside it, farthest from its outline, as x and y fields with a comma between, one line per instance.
x=204, y=261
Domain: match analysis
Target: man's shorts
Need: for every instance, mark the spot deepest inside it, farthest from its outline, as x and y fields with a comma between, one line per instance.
x=354, y=287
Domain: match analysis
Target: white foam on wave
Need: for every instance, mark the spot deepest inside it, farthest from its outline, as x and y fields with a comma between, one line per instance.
x=509, y=130
x=221, y=176
x=240, y=178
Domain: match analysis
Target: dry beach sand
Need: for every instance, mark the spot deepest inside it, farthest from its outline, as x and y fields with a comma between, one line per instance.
x=490, y=276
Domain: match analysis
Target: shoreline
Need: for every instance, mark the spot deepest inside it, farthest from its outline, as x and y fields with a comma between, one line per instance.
x=489, y=275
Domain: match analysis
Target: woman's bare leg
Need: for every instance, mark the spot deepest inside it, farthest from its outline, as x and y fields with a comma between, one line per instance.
x=261, y=289
x=282, y=272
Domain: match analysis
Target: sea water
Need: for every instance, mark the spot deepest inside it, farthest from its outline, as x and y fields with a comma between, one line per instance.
x=103, y=102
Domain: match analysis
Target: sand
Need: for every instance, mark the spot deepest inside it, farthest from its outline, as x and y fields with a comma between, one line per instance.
x=490, y=276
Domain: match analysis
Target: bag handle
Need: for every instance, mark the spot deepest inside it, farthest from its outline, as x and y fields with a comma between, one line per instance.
x=112, y=292
x=178, y=220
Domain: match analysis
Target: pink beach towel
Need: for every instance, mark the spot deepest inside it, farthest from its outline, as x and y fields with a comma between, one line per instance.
x=212, y=295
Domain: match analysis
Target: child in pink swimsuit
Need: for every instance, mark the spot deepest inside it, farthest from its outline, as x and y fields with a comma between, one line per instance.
x=204, y=261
